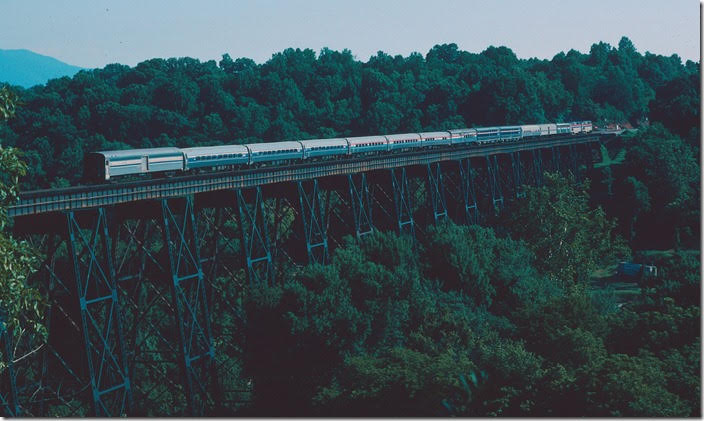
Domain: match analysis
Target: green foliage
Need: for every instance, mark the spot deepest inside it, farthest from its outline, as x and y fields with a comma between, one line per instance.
x=628, y=386
x=21, y=306
x=676, y=104
x=8, y=103
x=301, y=94
x=569, y=239
x=495, y=272
x=658, y=190
x=679, y=276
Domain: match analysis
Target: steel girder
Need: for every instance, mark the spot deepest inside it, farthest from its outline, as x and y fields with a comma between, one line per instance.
x=38, y=390
x=402, y=202
x=255, y=239
x=437, y=192
x=8, y=393
x=494, y=180
x=555, y=158
x=517, y=175
x=189, y=300
x=142, y=271
x=538, y=166
x=100, y=314
x=574, y=162
x=313, y=218
x=471, y=210
x=361, y=205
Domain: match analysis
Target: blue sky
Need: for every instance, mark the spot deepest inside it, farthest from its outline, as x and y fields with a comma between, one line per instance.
x=93, y=33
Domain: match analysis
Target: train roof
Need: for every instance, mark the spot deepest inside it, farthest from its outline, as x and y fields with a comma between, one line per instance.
x=366, y=139
x=324, y=142
x=401, y=136
x=425, y=135
x=462, y=131
x=129, y=153
x=274, y=146
x=214, y=150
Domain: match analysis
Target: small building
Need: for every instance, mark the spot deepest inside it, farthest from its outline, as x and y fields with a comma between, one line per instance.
x=635, y=270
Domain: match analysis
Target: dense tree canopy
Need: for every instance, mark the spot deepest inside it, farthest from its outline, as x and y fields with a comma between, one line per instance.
x=301, y=94
x=21, y=306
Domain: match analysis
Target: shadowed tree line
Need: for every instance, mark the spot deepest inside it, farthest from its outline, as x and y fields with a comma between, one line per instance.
x=300, y=94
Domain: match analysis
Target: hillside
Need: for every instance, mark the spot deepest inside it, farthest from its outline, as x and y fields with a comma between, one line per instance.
x=26, y=68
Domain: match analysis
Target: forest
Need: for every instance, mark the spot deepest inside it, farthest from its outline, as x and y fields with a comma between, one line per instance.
x=511, y=319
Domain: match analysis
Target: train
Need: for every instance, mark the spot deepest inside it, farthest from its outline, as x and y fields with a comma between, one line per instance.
x=107, y=165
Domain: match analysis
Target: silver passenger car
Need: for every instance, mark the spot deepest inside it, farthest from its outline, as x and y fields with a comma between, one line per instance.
x=274, y=151
x=403, y=141
x=106, y=164
x=367, y=144
x=325, y=147
x=530, y=130
x=436, y=138
x=564, y=128
x=548, y=129
x=509, y=133
x=215, y=156
x=463, y=135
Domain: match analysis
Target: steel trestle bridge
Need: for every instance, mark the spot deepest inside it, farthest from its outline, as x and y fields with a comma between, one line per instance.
x=118, y=257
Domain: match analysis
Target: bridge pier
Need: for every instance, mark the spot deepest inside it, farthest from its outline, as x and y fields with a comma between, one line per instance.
x=471, y=210
x=574, y=162
x=100, y=314
x=437, y=192
x=313, y=218
x=555, y=158
x=402, y=201
x=255, y=239
x=517, y=175
x=494, y=180
x=537, y=166
x=189, y=300
x=360, y=205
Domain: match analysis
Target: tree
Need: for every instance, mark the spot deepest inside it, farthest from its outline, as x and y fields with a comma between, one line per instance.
x=676, y=104
x=21, y=305
x=569, y=238
x=667, y=167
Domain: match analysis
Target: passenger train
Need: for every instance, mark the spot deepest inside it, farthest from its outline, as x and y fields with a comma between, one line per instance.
x=106, y=165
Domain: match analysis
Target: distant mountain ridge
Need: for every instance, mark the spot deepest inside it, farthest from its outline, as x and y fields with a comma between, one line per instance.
x=26, y=68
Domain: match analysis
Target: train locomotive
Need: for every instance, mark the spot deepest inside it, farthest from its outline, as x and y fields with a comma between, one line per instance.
x=107, y=165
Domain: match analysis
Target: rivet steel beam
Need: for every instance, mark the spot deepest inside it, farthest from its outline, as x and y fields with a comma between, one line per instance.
x=555, y=158
x=573, y=161
x=313, y=218
x=255, y=238
x=437, y=192
x=189, y=300
x=517, y=175
x=402, y=201
x=469, y=197
x=493, y=178
x=361, y=205
x=100, y=315
x=538, y=166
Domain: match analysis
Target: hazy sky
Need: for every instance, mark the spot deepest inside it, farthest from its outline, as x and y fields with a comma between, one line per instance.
x=93, y=33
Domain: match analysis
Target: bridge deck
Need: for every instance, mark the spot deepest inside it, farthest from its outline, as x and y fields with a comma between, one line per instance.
x=83, y=197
